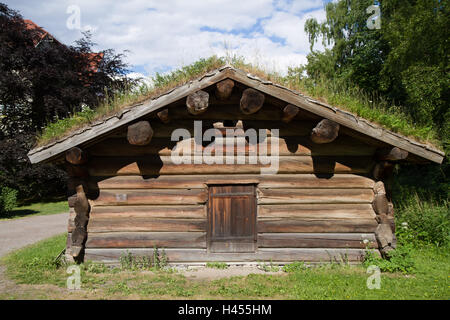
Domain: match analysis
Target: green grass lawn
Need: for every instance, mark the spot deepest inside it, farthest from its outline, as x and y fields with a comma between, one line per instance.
x=35, y=267
x=38, y=209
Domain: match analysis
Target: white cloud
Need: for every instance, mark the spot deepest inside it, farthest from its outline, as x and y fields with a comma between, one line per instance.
x=167, y=34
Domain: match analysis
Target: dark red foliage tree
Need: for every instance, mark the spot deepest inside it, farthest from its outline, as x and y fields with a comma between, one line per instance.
x=42, y=80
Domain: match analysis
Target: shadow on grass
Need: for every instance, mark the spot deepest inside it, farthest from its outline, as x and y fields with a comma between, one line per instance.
x=19, y=213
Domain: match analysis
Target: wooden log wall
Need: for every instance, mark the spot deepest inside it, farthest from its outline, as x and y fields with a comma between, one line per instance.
x=317, y=208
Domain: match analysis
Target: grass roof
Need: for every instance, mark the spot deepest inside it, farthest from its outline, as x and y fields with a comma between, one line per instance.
x=342, y=96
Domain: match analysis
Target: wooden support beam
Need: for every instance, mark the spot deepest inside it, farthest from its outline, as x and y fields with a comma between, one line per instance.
x=289, y=113
x=76, y=171
x=382, y=170
x=251, y=101
x=163, y=115
x=224, y=89
x=391, y=154
x=385, y=238
x=197, y=102
x=325, y=131
x=140, y=133
x=385, y=232
x=76, y=156
x=79, y=234
x=380, y=204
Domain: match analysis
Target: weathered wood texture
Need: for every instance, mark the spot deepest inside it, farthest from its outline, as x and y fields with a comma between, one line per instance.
x=76, y=156
x=147, y=240
x=197, y=102
x=149, y=211
x=289, y=113
x=146, y=224
x=316, y=240
x=251, y=101
x=162, y=165
x=150, y=197
x=264, y=254
x=391, y=154
x=317, y=225
x=317, y=211
x=318, y=205
x=326, y=131
x=287, y=146
x=282, y=196
x=279, y=181
x=140, y=133
x=232, y=218
x=224, y=89
x=163, y=115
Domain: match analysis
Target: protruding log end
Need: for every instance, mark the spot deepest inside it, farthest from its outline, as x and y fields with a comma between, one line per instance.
x=76, y=156
x=224, y=89
x=325, y=131
x=140, y=133
x=251, y=101
x=391, y=154
x=197, y=102
x=379, y=188
x=163, y=115
x=289, y=113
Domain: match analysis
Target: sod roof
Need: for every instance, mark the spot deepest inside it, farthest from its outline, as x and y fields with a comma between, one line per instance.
x=96, y=130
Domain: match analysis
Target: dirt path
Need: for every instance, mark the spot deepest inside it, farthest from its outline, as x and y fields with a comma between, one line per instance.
x=18, y=233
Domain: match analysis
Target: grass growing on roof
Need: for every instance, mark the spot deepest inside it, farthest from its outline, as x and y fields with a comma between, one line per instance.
x=346, y=97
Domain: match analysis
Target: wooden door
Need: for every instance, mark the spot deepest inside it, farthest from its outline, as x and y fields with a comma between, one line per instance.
x=232, y=218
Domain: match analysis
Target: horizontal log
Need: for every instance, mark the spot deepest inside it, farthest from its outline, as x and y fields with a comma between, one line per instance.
x=146, y=225
x=140, y=133
x=151, y=196
x=391, y=154
x=316, y=240
x=147, y=240
x=224, y=89
x=186, y=121
x=326, y=131
x=197, y=102
x=252, y=101
x=201, y=255
x=287, y=146
x=76, y=156
x=101, y=166
x=317, y=225
x=289, y=113
x=308, y=181
x=317, y=211
x=153, y=211
x=163, y=115
x=279, y=196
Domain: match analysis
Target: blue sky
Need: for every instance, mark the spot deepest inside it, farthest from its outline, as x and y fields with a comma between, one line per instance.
x=163, y=35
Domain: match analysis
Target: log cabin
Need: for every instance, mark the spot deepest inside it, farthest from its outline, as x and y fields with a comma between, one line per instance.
x=231, y=168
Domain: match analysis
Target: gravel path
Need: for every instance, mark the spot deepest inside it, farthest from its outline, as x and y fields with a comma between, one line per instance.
x=18, y=233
